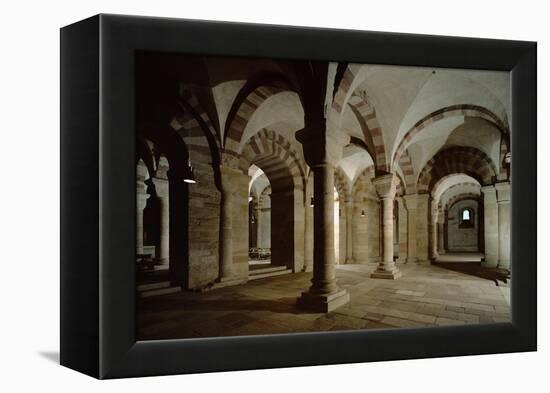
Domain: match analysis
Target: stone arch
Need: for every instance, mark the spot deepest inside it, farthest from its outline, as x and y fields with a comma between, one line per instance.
x=252, y=95
x=457, y=159
x=273, y=154
x=451, y=111
x=405, y=163
x=372, y=130
x=279, y=161
x=461, y=239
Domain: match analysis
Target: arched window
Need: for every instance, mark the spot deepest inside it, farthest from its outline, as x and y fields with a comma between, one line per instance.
x=466, y=218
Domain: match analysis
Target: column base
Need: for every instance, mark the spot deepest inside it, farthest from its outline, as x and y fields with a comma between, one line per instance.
x=387, y=274
x=349, y=261
x=322, y=303
x=489, y=264
x=229, y=281
x=504, y=265
x=412, y=260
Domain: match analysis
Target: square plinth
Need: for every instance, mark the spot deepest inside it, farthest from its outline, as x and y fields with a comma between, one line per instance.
x=322, y=303
x=389, y=275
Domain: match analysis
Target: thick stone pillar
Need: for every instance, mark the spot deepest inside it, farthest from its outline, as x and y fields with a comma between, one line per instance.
x=441, y=232
x=504, y=219
x=228, y=186
x=349, y=230
x=410, y=203
x=385, y=187
x=490, y=210
x=163, y=250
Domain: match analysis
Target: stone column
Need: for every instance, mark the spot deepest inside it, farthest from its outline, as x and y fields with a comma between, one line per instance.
x=323, y=144
x=228, y=186
x=491, y=226
x=308, y=237
x=403, y=231
x=433, y=230
x=504, y=218
x=422, y=227
x=141, y=202
x=410, y=202
x=441, y=232
x=324, y=294
x=349, y=230
x=257, y=213
x=385, y=188
x=163, y=251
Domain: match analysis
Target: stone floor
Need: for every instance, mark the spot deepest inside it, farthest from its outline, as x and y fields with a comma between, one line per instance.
x=425, y=295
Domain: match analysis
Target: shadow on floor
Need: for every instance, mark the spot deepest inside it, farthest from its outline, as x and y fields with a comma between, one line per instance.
x=285, y=305
x=52, y=356
x=475, y=269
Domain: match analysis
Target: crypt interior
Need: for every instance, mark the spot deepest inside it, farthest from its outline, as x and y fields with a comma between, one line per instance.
x=278, y=196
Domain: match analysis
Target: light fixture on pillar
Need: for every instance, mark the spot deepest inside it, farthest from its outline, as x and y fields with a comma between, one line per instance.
x=312, y=202
x=189, y=175
x=362, y=213
x=252, y=219
x=250, y=199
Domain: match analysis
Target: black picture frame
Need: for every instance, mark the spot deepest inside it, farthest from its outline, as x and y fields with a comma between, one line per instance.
x=98, y=190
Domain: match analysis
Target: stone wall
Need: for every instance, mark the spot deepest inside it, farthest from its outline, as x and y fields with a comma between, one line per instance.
x=463, y=239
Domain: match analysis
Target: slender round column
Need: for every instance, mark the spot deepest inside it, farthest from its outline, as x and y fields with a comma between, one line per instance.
x=441, y=232
x=308, y=237
x=141, y=202
x=386, y=187
x=163, y=250
x=504, y=218
x=324, y=277
x=349, y=231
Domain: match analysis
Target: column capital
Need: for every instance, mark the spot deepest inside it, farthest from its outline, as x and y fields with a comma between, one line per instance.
x=161, y=187
x=323, y=143
x=385, y=185
x=488, y=189
x=503, y=190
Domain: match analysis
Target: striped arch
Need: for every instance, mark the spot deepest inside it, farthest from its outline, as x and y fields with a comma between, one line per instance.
x=191, y=103
x=461, y=197
x=190, y=130
x=451, y=111
x=239, y=118
x=458, y=159
x=405, y=163
x=342, y=91
x=366, y=115
x=274, y=155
